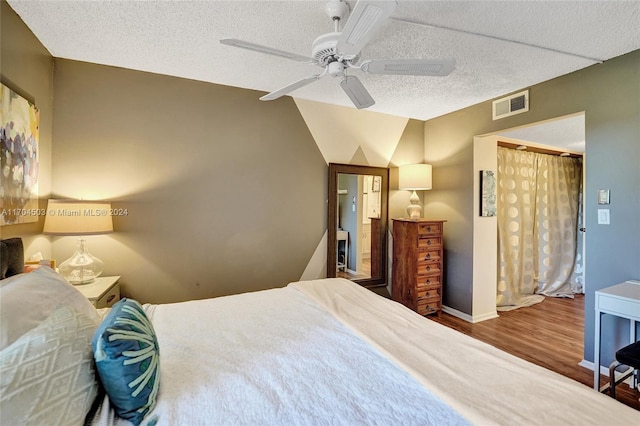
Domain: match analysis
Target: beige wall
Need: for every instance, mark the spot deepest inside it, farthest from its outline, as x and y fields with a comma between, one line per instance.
x=26, y=67
x=609, y=94
x=224, y=193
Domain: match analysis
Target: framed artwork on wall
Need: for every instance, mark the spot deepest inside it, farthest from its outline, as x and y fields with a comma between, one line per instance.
x=488, y=195
x=19, y=158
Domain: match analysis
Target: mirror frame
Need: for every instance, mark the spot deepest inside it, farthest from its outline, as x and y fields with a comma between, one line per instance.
x=332, y=218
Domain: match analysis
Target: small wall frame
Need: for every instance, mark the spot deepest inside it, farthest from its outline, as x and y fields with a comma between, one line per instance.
x=488, y=195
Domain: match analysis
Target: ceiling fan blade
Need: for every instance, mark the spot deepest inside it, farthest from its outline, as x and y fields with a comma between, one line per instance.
x=290, y=88
x=366, y=18
x=353, y=87
x=429, y=67
x=265, y=49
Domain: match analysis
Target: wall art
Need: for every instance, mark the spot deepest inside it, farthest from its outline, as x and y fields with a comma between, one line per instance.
x=488, y=193
x=19, y=159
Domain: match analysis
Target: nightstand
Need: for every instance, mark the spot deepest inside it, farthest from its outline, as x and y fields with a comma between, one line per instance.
x=103, y=292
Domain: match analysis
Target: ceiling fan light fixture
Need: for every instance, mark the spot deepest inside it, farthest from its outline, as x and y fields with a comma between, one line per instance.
x=335, y=69
x=336, y=51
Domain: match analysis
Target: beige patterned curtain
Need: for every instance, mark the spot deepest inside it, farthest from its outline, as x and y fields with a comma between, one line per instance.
x=538, y=205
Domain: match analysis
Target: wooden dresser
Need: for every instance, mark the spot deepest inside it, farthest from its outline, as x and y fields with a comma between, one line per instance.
x=417, y=264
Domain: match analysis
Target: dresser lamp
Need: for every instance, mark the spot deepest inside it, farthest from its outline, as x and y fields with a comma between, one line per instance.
x=79, y=218
x=414, y=177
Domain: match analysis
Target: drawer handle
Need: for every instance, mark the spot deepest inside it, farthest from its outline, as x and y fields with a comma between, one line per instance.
x=428, y=229
x=428, y=268
x=428, y=256
x=113, y=296
x=428, y=242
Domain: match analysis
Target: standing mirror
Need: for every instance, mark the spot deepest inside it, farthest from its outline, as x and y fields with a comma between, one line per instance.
x=357, y=221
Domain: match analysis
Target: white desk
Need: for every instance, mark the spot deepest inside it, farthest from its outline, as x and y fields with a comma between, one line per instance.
x=621, y=300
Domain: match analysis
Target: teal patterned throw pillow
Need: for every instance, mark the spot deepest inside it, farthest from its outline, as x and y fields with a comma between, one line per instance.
x=125, y=349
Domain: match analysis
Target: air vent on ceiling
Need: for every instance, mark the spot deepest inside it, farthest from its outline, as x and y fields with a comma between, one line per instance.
x=511, y=105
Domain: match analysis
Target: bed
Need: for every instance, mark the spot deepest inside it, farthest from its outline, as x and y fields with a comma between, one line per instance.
x=314, y=352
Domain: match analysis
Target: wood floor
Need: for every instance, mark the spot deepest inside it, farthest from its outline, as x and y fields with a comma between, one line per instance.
x=554, y=338
x=364, y=273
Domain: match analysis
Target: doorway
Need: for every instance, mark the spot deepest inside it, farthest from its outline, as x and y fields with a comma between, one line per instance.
x=563, y=134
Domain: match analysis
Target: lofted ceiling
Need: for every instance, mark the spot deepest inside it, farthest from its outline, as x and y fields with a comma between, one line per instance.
x=499, y=47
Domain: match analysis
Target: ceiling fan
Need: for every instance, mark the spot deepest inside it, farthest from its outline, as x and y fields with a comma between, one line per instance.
x=336, y=52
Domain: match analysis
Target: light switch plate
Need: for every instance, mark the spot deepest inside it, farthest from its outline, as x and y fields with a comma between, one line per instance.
x=603, y=217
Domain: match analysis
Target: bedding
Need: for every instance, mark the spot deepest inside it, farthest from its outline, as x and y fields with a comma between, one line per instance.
x=332, y=352
x=276, y=357
x=47, y=375
x=28, y=299
x=315, y=352
x=126, y=354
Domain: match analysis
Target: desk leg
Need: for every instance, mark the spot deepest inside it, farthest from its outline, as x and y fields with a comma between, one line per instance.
x=596, y=353
x=633, y=382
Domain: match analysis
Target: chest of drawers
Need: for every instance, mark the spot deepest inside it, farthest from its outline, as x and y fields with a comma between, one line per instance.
x=417, y=264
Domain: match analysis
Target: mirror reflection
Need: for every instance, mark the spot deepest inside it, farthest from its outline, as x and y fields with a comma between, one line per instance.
x=357, y=223
x=358, y=216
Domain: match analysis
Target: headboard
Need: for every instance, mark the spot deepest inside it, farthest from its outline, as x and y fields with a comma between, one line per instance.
x=11, y=257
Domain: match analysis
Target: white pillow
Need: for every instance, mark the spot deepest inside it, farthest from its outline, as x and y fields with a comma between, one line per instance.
x=28, y=299
x=48, y=374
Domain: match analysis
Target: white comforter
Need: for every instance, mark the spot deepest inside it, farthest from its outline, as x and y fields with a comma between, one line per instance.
x=483, y=383
x=331, y=352
x=277, y=358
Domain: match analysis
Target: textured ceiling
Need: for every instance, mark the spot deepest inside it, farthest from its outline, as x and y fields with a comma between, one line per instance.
x=181, y=38
x=566, y=133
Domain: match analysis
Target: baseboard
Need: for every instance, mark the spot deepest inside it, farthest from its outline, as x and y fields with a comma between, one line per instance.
x=456, y=313
x=469, y=318
x=484, y=317
x=589, y=366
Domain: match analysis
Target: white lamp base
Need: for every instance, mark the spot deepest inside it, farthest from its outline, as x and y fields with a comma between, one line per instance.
x=414, y=209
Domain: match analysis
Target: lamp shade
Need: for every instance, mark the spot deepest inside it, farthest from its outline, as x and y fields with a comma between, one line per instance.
x=78, y=217
x=414, y=177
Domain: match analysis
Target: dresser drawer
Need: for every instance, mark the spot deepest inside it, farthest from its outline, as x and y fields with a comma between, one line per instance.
x=428, y=281
x=429, y=242
x=109, y=298
x=429, y=228
x=429, y=255
x=429, y=268
x=428, y=308
x=428, y=294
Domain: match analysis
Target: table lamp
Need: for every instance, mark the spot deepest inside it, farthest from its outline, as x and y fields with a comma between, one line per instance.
x=414, y=177
x=80, y=218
